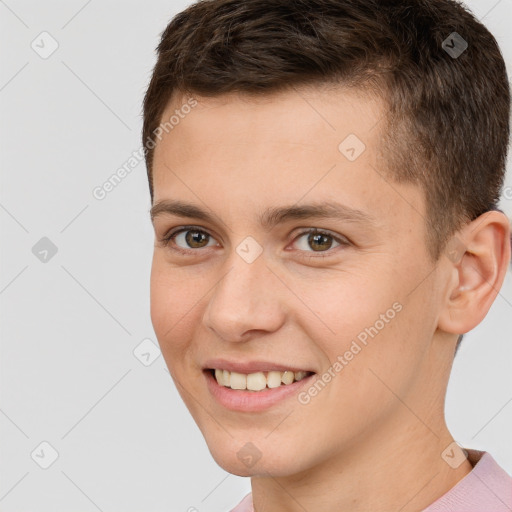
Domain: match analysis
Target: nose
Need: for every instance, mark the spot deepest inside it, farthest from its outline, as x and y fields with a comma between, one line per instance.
x=247, y=302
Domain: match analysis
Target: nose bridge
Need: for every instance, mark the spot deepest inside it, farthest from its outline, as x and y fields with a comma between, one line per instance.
x=245, y=298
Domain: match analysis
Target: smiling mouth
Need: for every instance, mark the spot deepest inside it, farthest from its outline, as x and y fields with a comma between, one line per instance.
x=257, y=381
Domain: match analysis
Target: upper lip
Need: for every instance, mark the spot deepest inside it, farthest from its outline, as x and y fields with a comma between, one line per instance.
x=251, y=366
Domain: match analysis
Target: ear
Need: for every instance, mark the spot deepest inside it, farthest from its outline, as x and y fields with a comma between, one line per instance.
x=479, y=257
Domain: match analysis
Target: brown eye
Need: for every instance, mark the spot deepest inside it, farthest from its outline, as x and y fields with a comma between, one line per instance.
x=196, y=239
x=317, y=241
x=320, y=241
x=187, y=239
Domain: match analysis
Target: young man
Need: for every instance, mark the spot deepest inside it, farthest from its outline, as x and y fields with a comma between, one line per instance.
x=324, y=177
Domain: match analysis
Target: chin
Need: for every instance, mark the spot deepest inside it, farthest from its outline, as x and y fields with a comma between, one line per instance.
x=247, y=461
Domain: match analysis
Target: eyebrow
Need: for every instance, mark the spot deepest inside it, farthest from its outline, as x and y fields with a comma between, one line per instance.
x=272, y=216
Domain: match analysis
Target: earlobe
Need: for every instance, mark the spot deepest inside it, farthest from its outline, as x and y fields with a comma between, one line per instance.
x=478, y=270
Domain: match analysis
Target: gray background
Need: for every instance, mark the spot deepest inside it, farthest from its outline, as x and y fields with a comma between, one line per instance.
x=70, y=324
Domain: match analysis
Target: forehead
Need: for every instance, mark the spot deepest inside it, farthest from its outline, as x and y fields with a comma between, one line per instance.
x=305, y=144
x=308, y=117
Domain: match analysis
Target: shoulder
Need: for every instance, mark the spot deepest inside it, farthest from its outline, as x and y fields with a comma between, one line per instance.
x=487, y=487
x=245, y=505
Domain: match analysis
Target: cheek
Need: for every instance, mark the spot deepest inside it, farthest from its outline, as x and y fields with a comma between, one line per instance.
x=381, y=359
x=345, y=306
x=174, y=306
x=162, y=302
x=363, y=323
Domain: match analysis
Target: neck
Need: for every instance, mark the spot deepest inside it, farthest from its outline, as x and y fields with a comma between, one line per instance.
x=400, y=469
x=397, y=466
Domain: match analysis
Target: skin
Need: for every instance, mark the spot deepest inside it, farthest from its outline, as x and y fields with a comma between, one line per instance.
x=372, y=439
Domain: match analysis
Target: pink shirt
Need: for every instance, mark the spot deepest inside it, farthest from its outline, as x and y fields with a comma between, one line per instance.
x=487, y=488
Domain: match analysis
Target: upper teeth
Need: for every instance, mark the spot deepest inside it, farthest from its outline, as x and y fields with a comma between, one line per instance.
x=257, y=381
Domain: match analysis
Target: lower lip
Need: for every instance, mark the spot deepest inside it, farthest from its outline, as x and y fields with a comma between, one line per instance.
x=252, y=401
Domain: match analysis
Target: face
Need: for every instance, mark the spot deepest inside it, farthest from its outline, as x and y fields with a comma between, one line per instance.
x=290, y=251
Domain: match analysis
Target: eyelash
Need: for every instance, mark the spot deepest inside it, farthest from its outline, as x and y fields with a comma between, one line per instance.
x=166, y=239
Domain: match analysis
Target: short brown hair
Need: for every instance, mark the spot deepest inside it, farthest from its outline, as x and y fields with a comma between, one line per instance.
x=447, y=127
